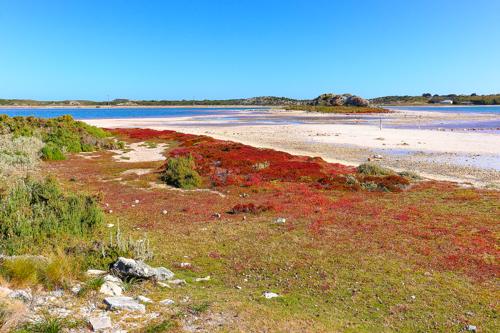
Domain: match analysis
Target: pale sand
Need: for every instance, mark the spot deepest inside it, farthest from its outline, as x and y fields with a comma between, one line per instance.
x=446, y=155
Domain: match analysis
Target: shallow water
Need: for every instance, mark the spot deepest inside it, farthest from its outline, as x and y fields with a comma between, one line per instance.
x=104, y=113
x=448, y=109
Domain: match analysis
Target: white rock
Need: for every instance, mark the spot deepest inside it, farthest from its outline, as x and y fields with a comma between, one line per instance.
x=177, y=282
x=144, y=299
x=167, y=301
x=164, y=212
x=164, y=285
x=280, y=220
x=95, y=272
x=110, y=225
x=238, y=287
x=202, y=279
x=136, y=201
x=124, y=303
x=185, y=264
x=270, y=295
x=412, y=297
x=112, y=278
x=471, y=328
x=138, y=269
x=99, y=323
x=110, y=211
x=76, y=289
x=111, y=289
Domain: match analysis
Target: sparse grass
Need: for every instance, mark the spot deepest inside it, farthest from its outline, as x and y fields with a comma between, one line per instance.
x=46, y=324
x=163, y=326
x=410, y=175
x=12, y=314
x=197, y=308
x=58, y=270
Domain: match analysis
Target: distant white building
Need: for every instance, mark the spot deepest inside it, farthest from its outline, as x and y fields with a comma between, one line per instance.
x=446, y=101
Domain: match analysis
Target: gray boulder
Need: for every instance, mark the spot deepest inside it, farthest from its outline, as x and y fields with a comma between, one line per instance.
x=20, y=294
x=129, y=267
x=124, y=303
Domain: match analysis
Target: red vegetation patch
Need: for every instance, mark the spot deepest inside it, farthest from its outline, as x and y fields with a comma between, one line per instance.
x=251, y=208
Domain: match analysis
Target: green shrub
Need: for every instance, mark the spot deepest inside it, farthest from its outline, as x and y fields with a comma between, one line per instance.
x=181, y=173
x=374, y=169
x=52, y=153
x=37, y=214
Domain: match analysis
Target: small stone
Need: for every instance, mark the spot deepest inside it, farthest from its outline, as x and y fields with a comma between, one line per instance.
x=123, y=303
x=471, y=328
x=100, y=323
x=76, y=289
x=202, y=279
x=72, y=180
x=412, y=297
x=238, y=287
x=186, y=299
x=110, y=225
x=217, y=215
x=167, y=301
x=280, y=220
x=110, y=211
x=136, y=201
x=468, y=313
x=177, y=282
x=244, y=218
x=58, y=292
x=185, y=264
x=95, y=272
x=164, y=212
x=144, y=299
x=164, y=285
x=129, y=267
x=111, y=289
x=270, y=295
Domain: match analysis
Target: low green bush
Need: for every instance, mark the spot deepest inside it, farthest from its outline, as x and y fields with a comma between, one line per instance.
x=36, y=214
x=52, y=153
x=181, y=173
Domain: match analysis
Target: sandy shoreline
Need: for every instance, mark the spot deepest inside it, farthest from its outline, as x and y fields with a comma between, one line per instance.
x=352, y=139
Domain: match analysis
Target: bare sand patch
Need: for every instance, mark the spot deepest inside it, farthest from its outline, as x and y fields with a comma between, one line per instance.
x=138, y=172
x=141, y=152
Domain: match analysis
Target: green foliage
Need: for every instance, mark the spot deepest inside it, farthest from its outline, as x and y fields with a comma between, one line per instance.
x=339, y=109
x=410, y=175
x=93, y=284
x=52, y=153
x=37, y=214
x=181, y=173
x=62, y=134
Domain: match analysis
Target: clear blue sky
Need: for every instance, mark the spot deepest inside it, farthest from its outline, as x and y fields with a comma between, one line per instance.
x=215, y=49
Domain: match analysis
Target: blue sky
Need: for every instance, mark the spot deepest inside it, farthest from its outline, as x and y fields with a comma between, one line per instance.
x=56, y=50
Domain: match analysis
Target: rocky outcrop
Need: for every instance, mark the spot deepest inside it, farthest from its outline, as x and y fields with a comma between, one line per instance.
x=130, y=268
x=339, y=100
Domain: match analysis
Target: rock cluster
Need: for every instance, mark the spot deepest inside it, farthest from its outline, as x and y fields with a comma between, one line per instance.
x=339, y=100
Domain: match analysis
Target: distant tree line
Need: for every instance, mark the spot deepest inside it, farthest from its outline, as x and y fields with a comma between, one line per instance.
x=428, y=98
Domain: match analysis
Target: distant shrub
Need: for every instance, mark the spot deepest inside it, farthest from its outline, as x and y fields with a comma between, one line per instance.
x=374, y=169
x=52, y=153
x=37, y=214
x=180, y=172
